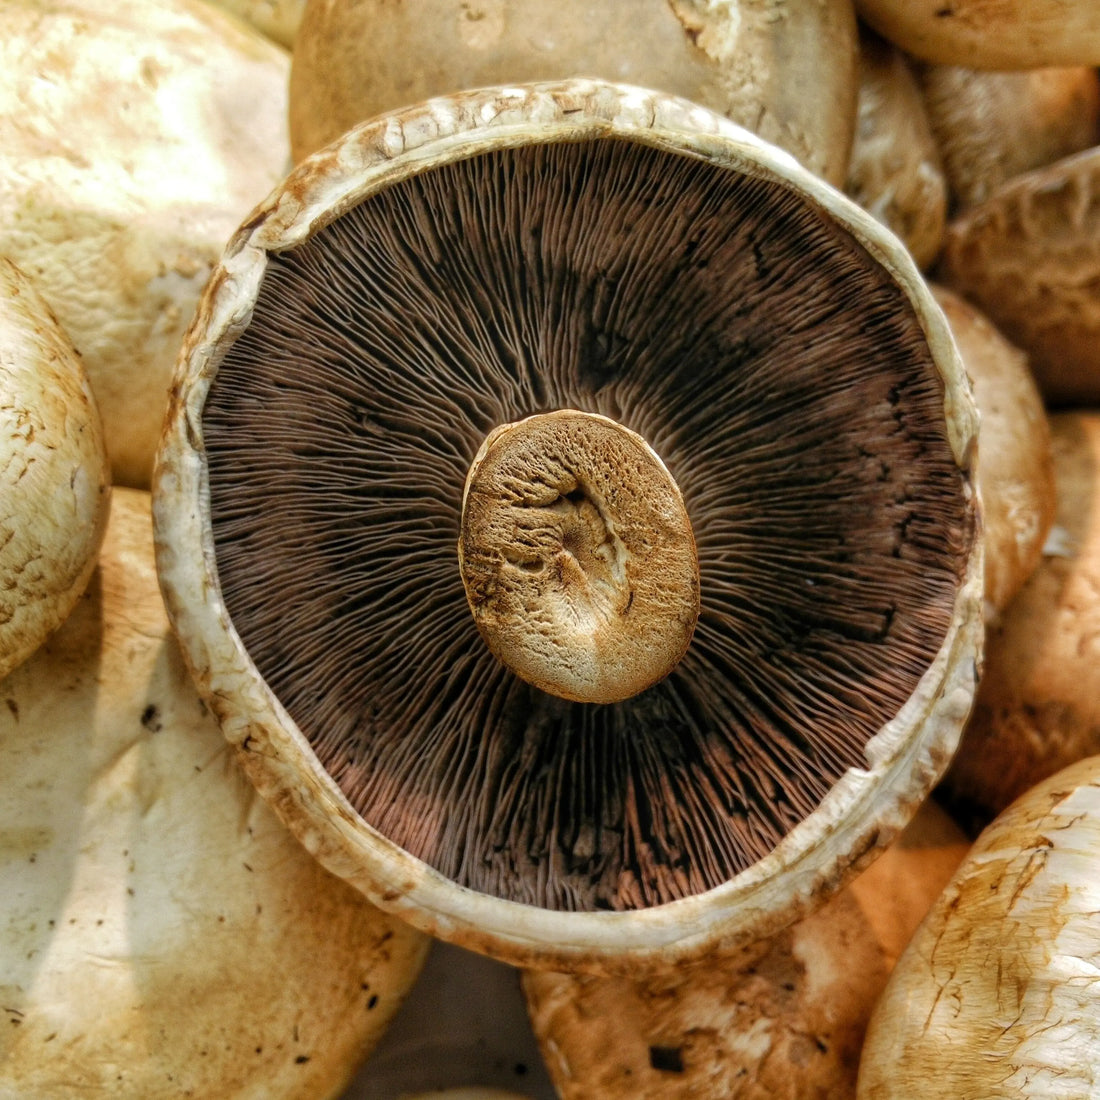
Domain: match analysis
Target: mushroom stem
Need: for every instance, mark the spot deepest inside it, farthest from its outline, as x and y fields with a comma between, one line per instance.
x=578, y=557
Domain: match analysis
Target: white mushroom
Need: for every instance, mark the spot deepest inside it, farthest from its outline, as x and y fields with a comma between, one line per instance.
x=161, y=933
x=134, y=137
x=53, y=472
x=997, y=995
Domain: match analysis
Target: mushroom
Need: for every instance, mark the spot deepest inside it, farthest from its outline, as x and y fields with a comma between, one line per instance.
x=278, y=19
x=134, y=136
x=620, y=256
x=1028, y=257
x=1038, y=708
x=1008, y=34
x=783, y=1019
x=992, y=126
x=463, y=1094
x=997, y=993
x=161, y=933
x=787, y=71
x=894, y=171
x=1016, y=474
x=54, y=481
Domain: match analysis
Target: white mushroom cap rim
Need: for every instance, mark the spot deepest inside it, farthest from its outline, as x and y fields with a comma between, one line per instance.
x=667, y=283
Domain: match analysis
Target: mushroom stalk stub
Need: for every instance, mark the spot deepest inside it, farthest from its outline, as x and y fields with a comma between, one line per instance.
x=578, y=557
x=696, y=388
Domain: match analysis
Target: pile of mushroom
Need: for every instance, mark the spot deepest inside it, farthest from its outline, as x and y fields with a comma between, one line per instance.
x=568, y=506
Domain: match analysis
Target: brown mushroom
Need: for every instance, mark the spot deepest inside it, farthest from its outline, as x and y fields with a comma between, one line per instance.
x=1006, y=34
x=443, y=271
x=161, y=933
x=992, y=126
x=783, y=1019
x=1038, y=708
x=1016, y=473
x=786, y=71
x=894, y=171
x=1029, y=258
x=54, y=480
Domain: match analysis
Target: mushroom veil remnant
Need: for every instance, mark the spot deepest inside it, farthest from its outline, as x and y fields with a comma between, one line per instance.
x=566, y=508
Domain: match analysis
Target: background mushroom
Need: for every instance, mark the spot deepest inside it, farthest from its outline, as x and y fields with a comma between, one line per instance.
x=996, y=994
x=134, y=136
x=1027, y=257
x=53, y=472
x=1038, y=707
x=784, y=1019
x=1010, y=34
x=447, y=270
x=161, y=933
x=992, y=126
x=894, y=171
x=786, y=71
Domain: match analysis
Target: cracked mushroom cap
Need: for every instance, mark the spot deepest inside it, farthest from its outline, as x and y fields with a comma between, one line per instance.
x=161, y=933
x=788, y=72
x=783, y=1019
x=997, y=994
x=134, y=136
x=54, y=479
x=774, y=381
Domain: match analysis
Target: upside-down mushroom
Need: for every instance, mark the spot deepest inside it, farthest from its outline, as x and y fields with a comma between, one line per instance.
x=54, y=479
x=672, y=337
x=998, y=994
x=786, y=71
x=161, y=933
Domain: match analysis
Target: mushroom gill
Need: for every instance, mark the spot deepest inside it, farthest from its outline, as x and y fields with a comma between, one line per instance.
x=768, y=358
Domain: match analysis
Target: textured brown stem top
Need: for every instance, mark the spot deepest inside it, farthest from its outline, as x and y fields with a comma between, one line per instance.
x=578, y=556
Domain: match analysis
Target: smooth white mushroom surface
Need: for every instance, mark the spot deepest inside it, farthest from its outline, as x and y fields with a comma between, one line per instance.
x=161, y=933
x=997, y=995
x=134, y=137
x=54, y=480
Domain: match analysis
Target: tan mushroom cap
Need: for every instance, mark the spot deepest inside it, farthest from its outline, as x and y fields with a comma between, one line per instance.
x=1008, y=34
x=997, y=994
x=1038, y=706
x=894, y=171
x=992, y=126
x=782, y=1020
x=1016, y=473
x=134, y=137
x=1029, y=258
x=161, y=933
x=54, y=480
x=786, y=71
x=864, y=805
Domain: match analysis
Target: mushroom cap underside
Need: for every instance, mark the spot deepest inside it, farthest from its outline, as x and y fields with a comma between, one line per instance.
x=592, y=247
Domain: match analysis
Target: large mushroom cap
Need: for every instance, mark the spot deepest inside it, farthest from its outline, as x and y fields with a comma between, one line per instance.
x=54, y=480
x=161, y=933
x=446, y=270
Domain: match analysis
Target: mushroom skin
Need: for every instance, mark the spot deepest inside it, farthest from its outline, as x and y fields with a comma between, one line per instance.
x=54, y=477
x=862, y=806
x=161, y=933
x=1016, y=474
x=1027, y=257
x=787, y=71
x=783, y=1019
x=992, y=126
x=134, y=137
x=1038, y=707
x=895, y=171
x=277, y=19
x=996, y=995
x=1006, y=34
